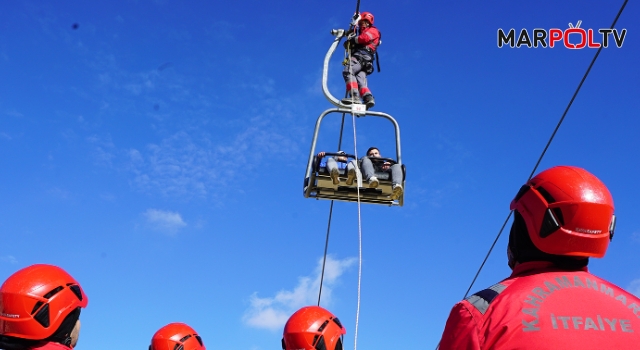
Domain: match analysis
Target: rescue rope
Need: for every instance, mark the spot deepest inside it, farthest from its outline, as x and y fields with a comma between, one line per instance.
x=357, y=169
x=355, y=152
x=547, y=146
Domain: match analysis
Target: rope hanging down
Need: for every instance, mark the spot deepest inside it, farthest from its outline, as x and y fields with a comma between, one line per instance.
x=359, y=233
x=546, y=147
x=326, y=245
x=355, y=152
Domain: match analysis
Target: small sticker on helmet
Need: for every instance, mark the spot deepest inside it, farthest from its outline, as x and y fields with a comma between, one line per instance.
x=585, y=230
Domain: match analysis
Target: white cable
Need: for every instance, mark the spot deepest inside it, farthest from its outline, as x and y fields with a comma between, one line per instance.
x=355, y=152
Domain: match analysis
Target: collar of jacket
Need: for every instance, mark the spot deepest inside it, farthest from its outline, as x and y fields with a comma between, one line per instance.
x=51, y=346
x=533, y=267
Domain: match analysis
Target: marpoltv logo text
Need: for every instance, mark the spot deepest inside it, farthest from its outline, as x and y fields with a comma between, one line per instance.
x=571, y=38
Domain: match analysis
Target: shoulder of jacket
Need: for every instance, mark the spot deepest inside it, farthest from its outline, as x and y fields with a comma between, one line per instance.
x=482, y=299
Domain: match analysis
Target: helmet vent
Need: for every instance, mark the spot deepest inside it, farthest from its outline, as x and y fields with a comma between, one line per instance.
x=547, y=197
x=183, y=339
x=323, y=326
x=178, y=347
x=283, y=344
x=549, y=224
x=43, y=316
x=321, y=345
x=337, y=321
x=199, y=339
x=76, y=290
x=36, y=307
x=53, y=292
x=558, y=214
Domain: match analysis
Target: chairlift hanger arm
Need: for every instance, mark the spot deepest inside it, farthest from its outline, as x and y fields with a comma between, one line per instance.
x=339, y=34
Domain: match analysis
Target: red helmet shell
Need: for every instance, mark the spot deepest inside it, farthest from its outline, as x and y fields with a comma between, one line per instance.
x=176, y=336
x=310, y=326
x=35, y=300
x=367, y=16
x=568, y=211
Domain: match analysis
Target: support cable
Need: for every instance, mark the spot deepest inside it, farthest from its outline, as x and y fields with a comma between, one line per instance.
x=326, y=243
x=547, y=146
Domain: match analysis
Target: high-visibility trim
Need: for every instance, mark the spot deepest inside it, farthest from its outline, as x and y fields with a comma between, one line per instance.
x=483, y=298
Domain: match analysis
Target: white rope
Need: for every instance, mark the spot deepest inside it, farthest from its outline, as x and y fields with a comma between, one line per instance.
x=355, y=152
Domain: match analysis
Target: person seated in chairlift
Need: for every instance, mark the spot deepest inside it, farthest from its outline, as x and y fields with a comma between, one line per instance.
x=332, y=167
x=370, y=165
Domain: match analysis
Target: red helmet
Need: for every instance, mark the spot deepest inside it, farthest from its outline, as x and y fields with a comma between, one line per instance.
x=367, y=16
x=35, y=301
x=568, y=211
x=313, y=328
x=176, y=336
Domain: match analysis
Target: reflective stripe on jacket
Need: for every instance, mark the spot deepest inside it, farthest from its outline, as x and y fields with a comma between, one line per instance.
x=543, y=307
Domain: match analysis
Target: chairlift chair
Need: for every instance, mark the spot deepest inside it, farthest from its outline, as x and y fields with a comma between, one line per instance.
x=317, y=181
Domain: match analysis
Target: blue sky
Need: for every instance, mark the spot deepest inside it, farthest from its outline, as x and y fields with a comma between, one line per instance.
x=157, y=153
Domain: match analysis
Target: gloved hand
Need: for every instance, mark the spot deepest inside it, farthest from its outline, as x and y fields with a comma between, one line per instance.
x=350, y=43
x=355, y=19
x=351, y=35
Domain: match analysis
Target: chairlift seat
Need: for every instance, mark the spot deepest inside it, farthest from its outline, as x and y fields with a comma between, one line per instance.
x=322, y=186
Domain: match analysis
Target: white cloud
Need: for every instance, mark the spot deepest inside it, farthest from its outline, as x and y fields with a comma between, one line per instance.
x=272, y=313
x=166, y=221
x=9, y=259
x=634, y=288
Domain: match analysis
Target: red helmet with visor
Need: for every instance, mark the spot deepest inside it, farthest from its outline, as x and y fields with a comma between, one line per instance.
x=35, y=301
x=313, y=328
x=176, y=336
x=367, y=16
x=568, y=211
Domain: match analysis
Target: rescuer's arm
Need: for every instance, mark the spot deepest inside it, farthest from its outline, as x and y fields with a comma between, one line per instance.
x=461, y=330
